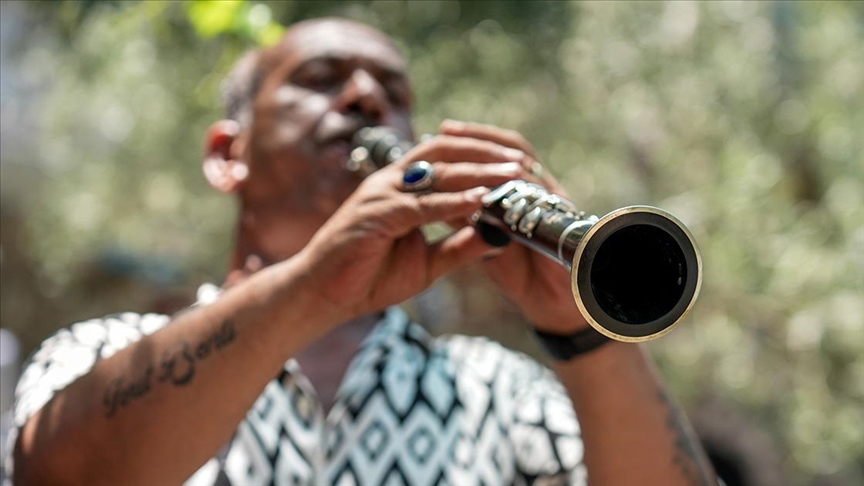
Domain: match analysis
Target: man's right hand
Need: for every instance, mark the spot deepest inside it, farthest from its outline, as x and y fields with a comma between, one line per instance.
x=371, y=252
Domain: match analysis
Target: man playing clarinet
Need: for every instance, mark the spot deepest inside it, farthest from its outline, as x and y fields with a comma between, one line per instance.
x=299, y=369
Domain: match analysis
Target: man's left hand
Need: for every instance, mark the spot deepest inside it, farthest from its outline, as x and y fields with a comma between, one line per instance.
x=538, y=285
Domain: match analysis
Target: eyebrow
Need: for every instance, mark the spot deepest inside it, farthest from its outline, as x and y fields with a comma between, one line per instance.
x=337, y=57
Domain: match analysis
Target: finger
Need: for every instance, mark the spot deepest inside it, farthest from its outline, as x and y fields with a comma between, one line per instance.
x=457, y=224
x=507, y=138
x=459, y=176
x=498, y=135
x=450, y=176
x=400, y=215
x=444, y=148
x=457, y=250
x=445, y=206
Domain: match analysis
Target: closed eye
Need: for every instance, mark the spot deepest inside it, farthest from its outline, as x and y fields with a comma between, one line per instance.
x=317, y=75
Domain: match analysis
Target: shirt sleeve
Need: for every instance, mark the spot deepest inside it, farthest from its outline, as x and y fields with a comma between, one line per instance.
x=69, y=354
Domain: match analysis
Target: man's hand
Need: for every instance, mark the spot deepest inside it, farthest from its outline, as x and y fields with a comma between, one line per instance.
x=371, y=252
x=539, y=286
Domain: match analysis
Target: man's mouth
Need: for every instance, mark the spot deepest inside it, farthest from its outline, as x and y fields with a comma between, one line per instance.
x=339, y=148
x=335, y=137
x=341, y=133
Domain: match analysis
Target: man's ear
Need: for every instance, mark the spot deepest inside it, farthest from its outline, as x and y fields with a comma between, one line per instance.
x=222, y=166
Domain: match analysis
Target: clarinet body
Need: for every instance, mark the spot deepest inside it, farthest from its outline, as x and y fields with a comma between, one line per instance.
x=635, y=272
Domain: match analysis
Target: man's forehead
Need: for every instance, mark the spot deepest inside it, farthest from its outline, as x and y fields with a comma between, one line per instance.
x=340, y=39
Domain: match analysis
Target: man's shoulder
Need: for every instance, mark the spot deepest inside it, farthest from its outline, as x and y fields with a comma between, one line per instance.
x=108, y=333
x=73, y=351
x=112, y=332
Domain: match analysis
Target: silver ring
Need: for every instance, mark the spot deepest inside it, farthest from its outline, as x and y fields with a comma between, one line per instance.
x=418, y=176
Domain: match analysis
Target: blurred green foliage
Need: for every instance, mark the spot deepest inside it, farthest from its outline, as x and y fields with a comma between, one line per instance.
x=743, y=118
x=253, y=21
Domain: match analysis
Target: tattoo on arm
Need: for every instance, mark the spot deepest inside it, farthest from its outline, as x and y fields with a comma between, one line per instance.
x=176, y=367
x=688, y=456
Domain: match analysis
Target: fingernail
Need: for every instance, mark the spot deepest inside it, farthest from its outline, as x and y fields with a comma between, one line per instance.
x=474, y=195
x=494, y=252
x=452, y=124
x=512, y=154
x=507, y=168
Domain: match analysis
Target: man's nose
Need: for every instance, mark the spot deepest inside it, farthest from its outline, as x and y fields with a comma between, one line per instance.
x=365, y=95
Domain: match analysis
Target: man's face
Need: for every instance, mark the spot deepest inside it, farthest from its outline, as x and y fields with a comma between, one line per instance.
x=324, y=80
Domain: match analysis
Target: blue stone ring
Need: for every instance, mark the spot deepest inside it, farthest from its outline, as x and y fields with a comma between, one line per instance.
x=418, y=176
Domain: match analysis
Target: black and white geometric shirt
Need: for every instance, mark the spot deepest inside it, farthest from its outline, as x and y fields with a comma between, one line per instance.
x=411, y=409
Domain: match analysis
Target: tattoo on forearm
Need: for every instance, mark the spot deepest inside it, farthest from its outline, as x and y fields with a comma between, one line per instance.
x=120, y=393
x=688, y=457
x=176, y=367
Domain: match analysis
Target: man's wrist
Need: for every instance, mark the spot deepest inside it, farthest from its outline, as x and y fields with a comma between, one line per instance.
x=296, y=289
x=565, y=347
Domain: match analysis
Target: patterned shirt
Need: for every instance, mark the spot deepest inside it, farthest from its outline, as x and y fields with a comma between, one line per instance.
x=411, y=409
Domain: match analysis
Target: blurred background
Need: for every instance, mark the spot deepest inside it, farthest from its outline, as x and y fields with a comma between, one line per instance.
x=745, y=119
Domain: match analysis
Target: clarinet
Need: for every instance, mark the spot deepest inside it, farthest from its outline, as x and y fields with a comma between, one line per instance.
x=635, y=272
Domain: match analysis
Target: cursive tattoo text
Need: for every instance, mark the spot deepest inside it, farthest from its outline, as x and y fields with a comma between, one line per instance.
x=119, y=393
x=177, y=367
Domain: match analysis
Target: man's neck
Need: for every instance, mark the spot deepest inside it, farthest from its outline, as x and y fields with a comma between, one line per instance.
x=264, y=236
x=326, y=360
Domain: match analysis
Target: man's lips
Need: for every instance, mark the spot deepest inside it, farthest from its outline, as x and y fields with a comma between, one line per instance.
x=343, y=132
x=339, y=148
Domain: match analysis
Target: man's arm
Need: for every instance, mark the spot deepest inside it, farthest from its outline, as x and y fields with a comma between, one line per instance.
x=633, y=431
x=157, y=410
